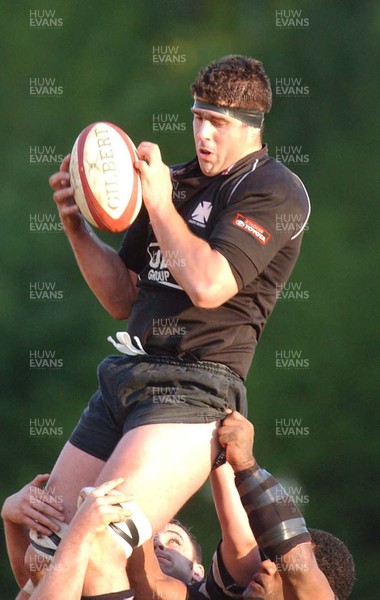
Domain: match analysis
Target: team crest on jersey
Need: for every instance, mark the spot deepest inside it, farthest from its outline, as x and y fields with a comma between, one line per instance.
x=201, y=214
x=262, y=235
x=159, y=266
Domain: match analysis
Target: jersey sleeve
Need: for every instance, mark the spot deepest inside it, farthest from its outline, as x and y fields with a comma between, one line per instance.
x=219, y=584
x=133, y=246
x=255, y=226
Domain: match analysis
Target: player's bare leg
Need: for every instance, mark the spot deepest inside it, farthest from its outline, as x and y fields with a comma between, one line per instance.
x=163, y=466
x=73, y=470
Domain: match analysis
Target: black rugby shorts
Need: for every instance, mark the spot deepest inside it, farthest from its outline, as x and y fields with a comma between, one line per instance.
x=145, y=390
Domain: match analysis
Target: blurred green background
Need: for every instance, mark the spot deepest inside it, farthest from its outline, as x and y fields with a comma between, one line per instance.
x=98, y=60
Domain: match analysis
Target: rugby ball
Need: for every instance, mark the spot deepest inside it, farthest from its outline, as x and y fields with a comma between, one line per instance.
x=107, y=187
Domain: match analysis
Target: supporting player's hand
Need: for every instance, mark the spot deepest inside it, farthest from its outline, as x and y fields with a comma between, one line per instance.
x=33, y=507
x=155, y=177
x=68, y=210
x=236, y=436
x=102, y=507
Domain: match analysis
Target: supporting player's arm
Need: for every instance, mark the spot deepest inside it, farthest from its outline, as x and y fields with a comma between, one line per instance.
x=104, y=271
x=76, y=553
x=239, y=550
x=202, y=272
x=277, y=524
x=30, y=507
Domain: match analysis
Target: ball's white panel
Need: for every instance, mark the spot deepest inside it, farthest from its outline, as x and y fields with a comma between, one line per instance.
x=108, y=169
x=76, y=184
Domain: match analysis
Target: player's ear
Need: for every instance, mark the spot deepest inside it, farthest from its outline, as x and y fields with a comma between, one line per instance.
x=198, y=572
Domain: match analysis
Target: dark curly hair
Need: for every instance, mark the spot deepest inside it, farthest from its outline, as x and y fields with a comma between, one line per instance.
x=234, y=80
x=335, y=561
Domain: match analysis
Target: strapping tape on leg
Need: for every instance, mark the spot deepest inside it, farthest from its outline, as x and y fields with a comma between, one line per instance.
x=28, y=587
x=132, y=532
x=46, y=545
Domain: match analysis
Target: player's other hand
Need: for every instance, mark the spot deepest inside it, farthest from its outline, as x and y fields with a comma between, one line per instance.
x=155, y=177
x=33, y=507
x=102, y=507
x=236, y=436
x=63, y=197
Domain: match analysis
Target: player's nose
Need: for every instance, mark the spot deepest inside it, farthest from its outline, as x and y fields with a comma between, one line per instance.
x=204, y=130
x=157, y=543
x=268, y=567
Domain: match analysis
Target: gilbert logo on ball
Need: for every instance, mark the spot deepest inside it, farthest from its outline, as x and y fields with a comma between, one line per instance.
x=107, y=187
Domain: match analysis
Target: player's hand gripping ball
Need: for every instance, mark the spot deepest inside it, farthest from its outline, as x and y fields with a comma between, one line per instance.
x=107, y=187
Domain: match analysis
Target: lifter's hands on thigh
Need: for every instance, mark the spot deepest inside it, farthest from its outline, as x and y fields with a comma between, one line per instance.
x=236, y=436
x=102, y=507
x=34, y=507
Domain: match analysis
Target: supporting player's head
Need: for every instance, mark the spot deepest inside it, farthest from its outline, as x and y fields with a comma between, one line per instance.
x=230, y=98
x=178, y=552
x=336, y=562
x=235, y=81
x=266, y=583
x=333, y=558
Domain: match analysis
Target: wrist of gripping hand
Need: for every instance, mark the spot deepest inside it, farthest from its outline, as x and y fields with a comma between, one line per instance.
x=276, y=522
x=46, y=545
x=132, y=532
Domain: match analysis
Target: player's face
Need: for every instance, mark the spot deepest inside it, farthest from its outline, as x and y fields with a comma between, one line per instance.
x=221, y=141
x=174, y=552
x=266, y=584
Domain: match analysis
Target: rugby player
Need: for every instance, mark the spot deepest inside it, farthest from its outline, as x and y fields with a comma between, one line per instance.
x=218, y=215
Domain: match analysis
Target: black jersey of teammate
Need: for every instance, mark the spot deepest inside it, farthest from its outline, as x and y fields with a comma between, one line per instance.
x=254, y=214
x=218, y=584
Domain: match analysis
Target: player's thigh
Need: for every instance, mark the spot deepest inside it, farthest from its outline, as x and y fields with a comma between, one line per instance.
x=163, y=465
x=73, y=470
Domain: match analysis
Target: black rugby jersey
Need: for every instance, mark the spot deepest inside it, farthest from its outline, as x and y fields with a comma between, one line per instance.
x=254, y=214
x=218, y=584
